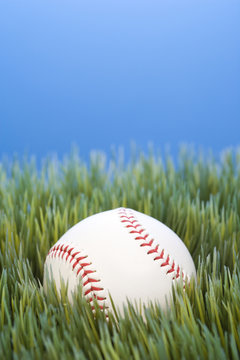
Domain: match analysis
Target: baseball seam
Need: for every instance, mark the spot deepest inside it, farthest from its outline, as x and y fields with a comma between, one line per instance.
x=134, y=227
x=88, y=281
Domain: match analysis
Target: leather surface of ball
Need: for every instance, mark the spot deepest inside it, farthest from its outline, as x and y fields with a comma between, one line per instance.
x=122, y=252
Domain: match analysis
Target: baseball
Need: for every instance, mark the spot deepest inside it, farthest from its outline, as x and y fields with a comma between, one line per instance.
x=120, y=252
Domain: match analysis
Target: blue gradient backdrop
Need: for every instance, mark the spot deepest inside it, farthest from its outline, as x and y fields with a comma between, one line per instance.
x=97, y=73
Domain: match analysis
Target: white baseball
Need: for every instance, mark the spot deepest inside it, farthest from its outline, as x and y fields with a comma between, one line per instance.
x=122, y=252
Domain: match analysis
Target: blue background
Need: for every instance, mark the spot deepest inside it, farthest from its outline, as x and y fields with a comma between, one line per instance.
x=97, y=73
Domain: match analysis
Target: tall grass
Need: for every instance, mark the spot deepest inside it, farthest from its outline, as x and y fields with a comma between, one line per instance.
x=198, y=198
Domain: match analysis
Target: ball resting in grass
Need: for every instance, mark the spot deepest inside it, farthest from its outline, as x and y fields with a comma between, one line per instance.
x=120, y=252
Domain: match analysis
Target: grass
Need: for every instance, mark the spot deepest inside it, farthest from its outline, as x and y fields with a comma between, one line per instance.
x=198, y=198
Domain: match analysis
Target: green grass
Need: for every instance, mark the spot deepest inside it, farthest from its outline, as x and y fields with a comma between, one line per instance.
x=198, y=198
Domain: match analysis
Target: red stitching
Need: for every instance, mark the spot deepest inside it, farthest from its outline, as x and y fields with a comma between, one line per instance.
x=124, y=218
x=136, y=231
x=69, y=253
x=82, y=266
x=160, y=256
x=73, y=255
x=133, y=226
x=86, y=272
x=101, y=307
x=96, y=297
x=129, y=221
x=78, y=260
x=155, y=250
x=89, y=281
x=172, y=268
x=178, y=272
x=142, y=237
x=127, y=217
x=147, y=244
x=92, y=288
x=166, y=262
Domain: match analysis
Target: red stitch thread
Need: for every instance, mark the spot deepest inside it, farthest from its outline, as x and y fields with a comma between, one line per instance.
x=73, y=255
x=166, y=262
x=78, y=260
x=69, y=253
x=86, y=272
x=136, y=231
x=160, y=256
x=147, y=244
x=155, y=250
x=172, y=268
x=89, y=281
x=92, y=288
x=127, y=217
x=101, y=307
x=142, y=237
x=62, y=251
x=129, y=221
x=135, y=224
x=97, y=298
